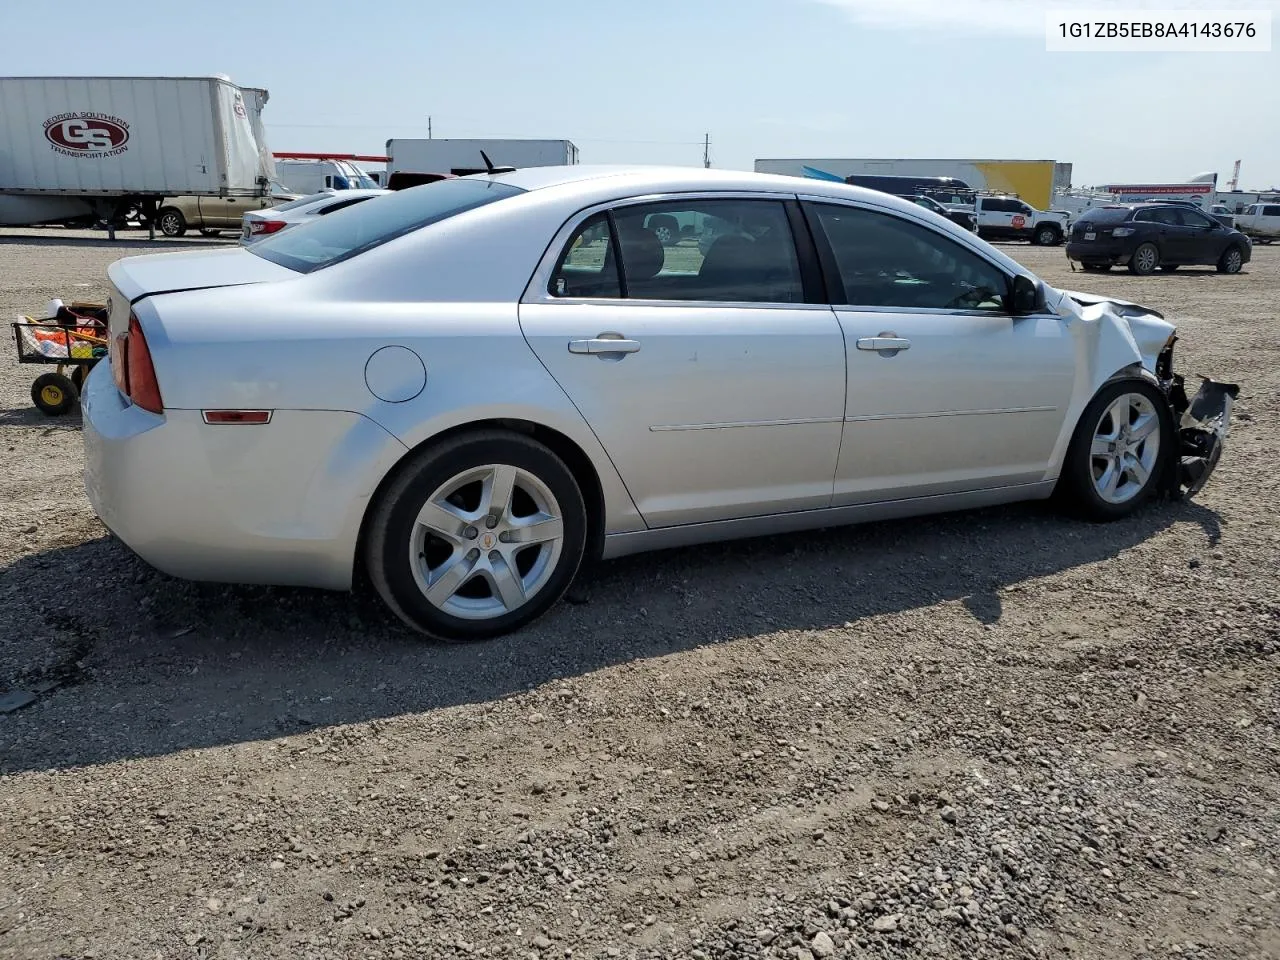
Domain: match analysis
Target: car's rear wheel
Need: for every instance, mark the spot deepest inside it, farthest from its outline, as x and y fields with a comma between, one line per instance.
x=1231, y=261
x=1119, y=451
x=210, y=233
x=1168, y=267
x=1046, y=236
x=1145, y=259
x=477, y=536
x=172, y=223
x=1097, y=267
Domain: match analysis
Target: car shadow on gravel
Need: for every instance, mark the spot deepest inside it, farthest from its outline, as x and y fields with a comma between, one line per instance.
x=122, y=662
x=34, y=419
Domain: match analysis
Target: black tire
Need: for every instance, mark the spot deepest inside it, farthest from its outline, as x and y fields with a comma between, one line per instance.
x=1075, y=488
x=391, y=527
x=171, y=222
x=666, y=228
x=1232, y=260
x=77, y=377
x=53, y=394
x=1046, y=237
x=1168, y=267
x=1145, y=259
x=1096, y=267
x=210, y=233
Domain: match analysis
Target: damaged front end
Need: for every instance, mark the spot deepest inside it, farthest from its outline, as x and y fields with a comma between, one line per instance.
x=1201, y=424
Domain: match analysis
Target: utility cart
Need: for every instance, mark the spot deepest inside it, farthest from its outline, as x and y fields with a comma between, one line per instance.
x=71, y=340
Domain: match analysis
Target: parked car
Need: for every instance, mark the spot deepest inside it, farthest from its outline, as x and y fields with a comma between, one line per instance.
x=963, y=217
x=212, y=215
x=1261, y=222
x=1147, y=236
x=447, y=389
x=263, y=223
x=1008, y=218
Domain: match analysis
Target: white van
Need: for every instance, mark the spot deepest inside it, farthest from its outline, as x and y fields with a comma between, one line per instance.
x=305, y=177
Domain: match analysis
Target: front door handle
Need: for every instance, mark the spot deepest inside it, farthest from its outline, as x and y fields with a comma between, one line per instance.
x=604, y=345
x=889, y=345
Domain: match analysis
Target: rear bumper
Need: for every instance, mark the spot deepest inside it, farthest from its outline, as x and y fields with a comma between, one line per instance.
x=280, y=503
x=1094, y=251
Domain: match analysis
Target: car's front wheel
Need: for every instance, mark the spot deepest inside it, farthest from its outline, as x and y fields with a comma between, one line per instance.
x=1119, y=451
x=1046, y=236
x=1145, y=259
x=477, y=536
x=1231, y=260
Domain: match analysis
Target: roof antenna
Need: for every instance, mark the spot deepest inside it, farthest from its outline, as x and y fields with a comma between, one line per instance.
x=492, y=169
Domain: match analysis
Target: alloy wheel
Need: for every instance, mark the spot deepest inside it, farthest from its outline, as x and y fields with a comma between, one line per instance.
x=486, y=542
x=1125, y=448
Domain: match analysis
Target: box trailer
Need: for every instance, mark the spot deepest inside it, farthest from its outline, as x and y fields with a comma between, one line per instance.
x=462, y=157
x=112, y=143
x=1029, y=180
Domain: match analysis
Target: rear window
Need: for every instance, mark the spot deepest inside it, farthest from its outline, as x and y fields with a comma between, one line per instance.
x=1104, y=215
x=302, y=202
x=330, y=240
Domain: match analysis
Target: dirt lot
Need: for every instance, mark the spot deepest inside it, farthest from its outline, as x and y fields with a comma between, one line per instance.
x=993, y=734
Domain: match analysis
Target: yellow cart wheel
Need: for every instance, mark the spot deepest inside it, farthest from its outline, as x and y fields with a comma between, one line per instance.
x=54, y=394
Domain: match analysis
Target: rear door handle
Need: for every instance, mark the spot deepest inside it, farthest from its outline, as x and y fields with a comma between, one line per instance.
x=604, y=345
x=883, y=344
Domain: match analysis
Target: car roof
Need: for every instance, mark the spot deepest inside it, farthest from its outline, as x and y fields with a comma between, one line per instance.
x=637, y=179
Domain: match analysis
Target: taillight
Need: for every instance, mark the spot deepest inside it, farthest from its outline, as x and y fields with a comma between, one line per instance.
x=265, y=226
x=131, y=367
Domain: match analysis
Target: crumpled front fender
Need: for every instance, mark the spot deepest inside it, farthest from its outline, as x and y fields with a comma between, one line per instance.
x=1201, y=426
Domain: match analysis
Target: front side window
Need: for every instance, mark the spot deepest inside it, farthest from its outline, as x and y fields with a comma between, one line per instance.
x=1192, y=218
x=885, y=261
x=328, y=240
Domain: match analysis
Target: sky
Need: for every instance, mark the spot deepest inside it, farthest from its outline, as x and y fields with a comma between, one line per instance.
x=643, y=82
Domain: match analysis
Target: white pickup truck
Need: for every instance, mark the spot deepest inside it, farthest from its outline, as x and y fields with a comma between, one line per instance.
x=1008, y=218
x=1260, y=222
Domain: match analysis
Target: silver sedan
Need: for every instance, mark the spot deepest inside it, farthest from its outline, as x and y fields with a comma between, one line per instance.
x=470, y=388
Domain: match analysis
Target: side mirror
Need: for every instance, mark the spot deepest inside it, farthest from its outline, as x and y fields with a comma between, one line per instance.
x=1026, y=296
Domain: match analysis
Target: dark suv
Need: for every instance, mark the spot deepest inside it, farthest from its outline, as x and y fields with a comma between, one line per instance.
x=1147, y=236
x=961, y=217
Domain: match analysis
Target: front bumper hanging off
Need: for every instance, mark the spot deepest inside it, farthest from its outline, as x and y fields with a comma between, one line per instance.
x=1201, y=425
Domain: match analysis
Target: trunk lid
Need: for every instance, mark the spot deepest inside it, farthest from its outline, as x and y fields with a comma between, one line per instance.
x=135, y=277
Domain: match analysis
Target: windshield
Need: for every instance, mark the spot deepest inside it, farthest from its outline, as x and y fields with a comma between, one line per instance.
x=330, y=240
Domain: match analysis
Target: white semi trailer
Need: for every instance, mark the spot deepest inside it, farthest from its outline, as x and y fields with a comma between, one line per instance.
x=90, y=149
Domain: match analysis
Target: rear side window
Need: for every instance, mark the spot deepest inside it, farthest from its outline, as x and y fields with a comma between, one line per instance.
x=1271, y=211
x=329, y=240
x=588, y=265
x=729, y=251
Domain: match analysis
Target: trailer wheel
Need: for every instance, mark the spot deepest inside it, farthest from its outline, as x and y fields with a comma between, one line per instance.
x=53, y=394
x=172, y=222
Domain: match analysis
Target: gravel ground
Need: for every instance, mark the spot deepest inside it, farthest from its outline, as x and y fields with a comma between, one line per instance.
x=998, y=733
